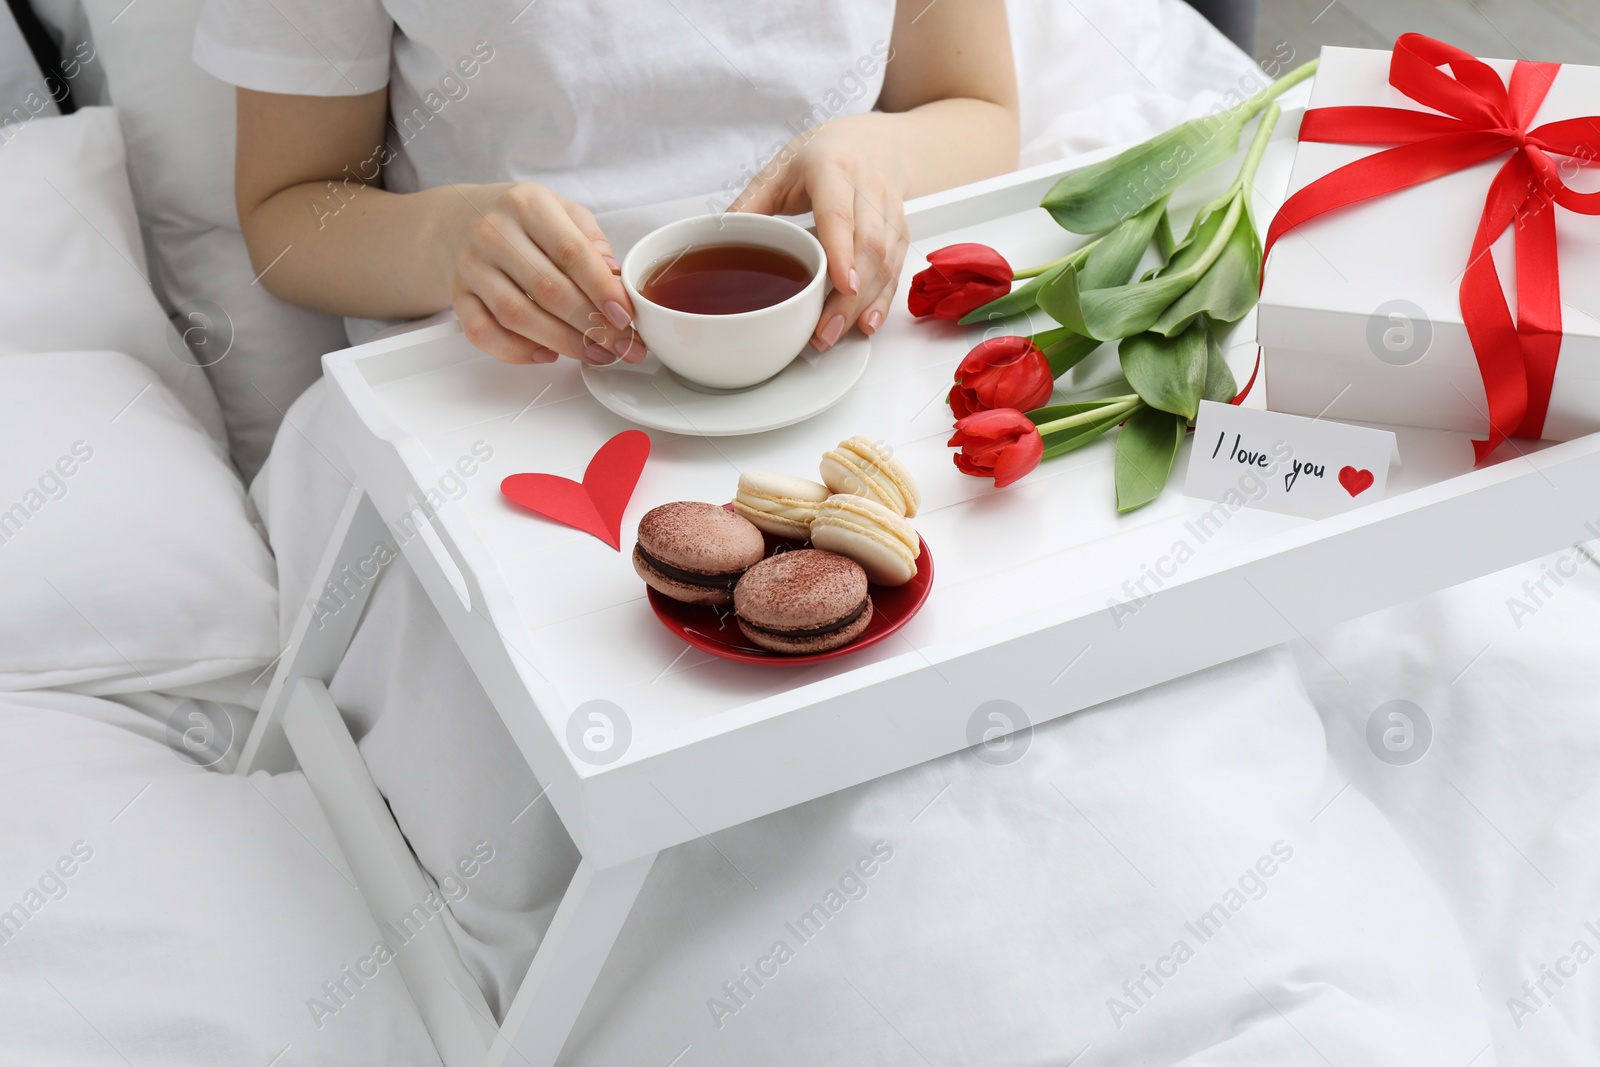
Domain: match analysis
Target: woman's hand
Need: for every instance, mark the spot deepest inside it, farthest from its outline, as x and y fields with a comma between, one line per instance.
x=532, y=278
x=527, y=270
x=946, y=114
x=856, y=192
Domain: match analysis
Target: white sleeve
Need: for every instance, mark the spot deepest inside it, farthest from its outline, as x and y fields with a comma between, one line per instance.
x=303, y=47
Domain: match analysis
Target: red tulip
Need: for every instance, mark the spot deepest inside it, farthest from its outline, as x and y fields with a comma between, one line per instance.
x=1002, y=372
x=1002, y=443
x=959, y=279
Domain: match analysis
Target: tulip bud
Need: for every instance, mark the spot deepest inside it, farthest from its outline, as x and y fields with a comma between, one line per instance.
x=959, y=279
x=1002, y=444
x=1002, y=372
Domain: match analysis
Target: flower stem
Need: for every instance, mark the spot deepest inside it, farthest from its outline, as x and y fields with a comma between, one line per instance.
x=1075, y=254
x=1113, y=405
x=1258, y=147
x=1299, y=74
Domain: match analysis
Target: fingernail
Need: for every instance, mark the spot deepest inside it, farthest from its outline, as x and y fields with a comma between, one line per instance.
x=616, y=268
x=874, y=319
x=630, y=350
x=855, y=282
x=831, y=332
x=616, y=313
x=545, y=355
x=598, y=355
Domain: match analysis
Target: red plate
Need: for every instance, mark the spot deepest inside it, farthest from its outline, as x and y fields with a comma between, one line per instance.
x=715, y=630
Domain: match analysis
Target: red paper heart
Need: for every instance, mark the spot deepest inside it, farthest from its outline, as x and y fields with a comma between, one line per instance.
x=1355, y=482
x=595, y=506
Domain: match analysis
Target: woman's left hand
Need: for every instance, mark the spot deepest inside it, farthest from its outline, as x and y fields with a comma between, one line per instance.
x=840, y=172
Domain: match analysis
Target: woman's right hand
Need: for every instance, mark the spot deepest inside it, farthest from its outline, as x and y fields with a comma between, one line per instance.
x=532, y=278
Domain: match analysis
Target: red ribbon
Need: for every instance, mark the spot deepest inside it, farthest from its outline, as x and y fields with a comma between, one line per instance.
x=1481, y=118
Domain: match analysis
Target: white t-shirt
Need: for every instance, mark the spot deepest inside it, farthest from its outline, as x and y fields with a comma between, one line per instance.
x=612, y=103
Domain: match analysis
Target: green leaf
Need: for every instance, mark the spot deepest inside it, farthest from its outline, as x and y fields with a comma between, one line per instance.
x=1097, y=197
x=1101, y=195
x=1214, y=221
x=1168, y=373
x=1227, y=290
x=1064, y=348
x=1124, y=310
x=1146, y=448
x=1220, y=384
x=1060, y=301
x=1166, y=241
x=1115, y=255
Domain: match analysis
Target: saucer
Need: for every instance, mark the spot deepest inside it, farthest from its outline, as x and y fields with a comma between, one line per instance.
x=649, y=394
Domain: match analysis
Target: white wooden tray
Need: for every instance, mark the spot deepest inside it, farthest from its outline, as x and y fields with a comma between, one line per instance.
x=552, y=619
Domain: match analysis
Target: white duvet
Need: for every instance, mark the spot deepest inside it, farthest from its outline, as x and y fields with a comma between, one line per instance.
x=1502, y=810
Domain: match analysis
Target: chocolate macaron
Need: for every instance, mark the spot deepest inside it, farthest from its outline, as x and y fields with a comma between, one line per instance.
x=695, y=552
x=804, y=601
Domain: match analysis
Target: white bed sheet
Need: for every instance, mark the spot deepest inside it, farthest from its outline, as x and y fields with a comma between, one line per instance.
x=1502, y=809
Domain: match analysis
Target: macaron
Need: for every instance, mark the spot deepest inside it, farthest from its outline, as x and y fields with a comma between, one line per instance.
x=695, y=552
x=780, y=504
x=882, y=542
x=802, y=602
x=862, y=467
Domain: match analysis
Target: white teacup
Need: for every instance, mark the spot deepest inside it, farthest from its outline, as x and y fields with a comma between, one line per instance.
x=727, y=351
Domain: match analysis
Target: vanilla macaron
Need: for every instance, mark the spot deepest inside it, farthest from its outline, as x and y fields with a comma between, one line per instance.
x=883, y=542
x=780, y=504
x=861, y=466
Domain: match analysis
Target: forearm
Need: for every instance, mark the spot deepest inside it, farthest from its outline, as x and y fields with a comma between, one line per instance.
x=361, y=250
x=946, y=143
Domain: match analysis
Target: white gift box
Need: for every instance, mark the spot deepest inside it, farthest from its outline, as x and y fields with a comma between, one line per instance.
x=1360, y=318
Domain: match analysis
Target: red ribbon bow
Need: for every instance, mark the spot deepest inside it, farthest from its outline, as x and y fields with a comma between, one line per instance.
x=1482, y=117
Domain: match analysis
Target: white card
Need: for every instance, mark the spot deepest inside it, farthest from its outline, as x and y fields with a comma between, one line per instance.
x=1249, y=457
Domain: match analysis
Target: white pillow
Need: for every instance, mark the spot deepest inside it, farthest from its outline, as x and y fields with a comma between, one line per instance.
x=179, y=124
x=154, y=912
x=277, y=347
x=71, y=258
x=128, y=561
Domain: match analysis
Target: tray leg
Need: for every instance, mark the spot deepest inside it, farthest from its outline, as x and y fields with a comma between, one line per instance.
x=323, y=629
x=399, y=896
x=569, y=959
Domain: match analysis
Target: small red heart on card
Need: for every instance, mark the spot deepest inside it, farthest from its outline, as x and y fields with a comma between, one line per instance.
x=596, y=504
x=1355, y=482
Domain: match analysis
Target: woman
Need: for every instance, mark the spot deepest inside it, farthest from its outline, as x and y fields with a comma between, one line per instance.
x=397, y=157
